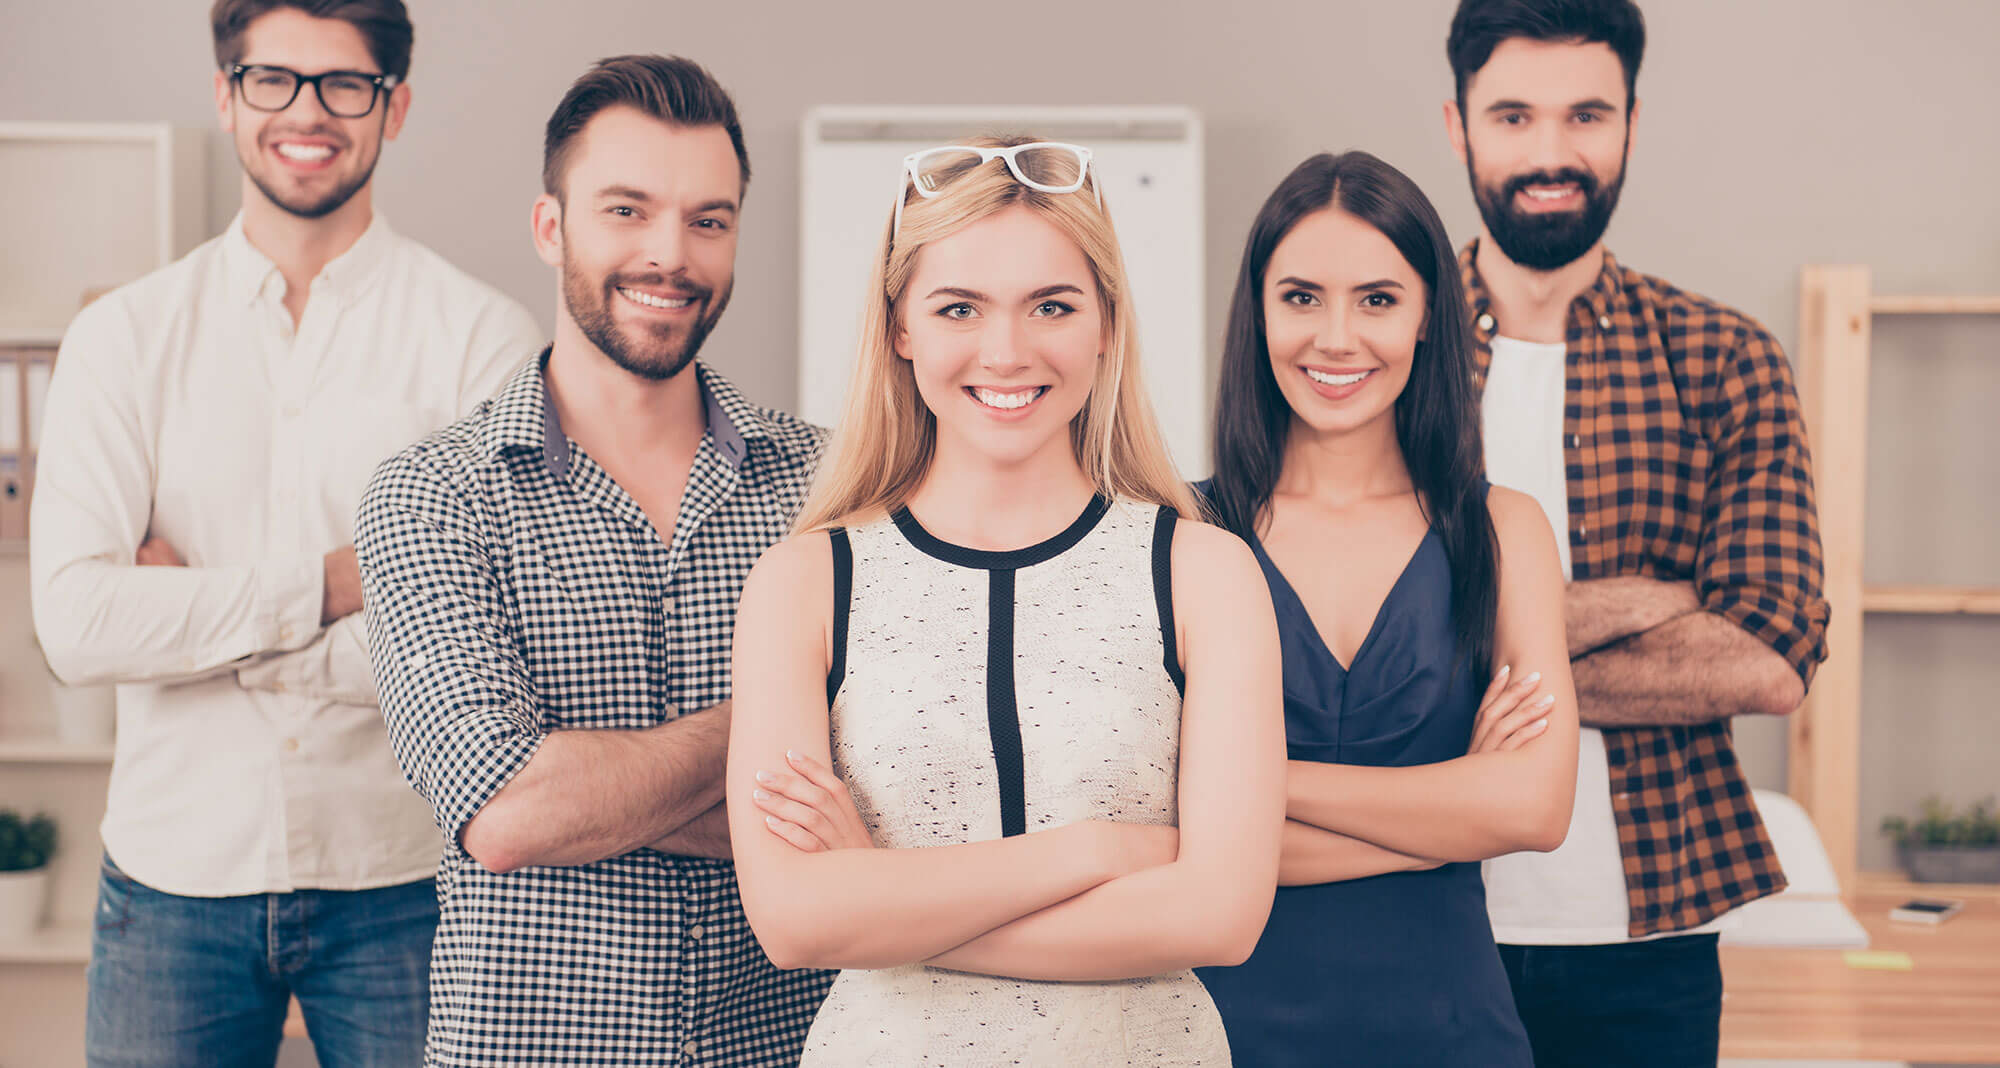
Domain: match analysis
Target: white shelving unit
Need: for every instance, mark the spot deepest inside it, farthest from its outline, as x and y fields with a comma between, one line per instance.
x=86, y=207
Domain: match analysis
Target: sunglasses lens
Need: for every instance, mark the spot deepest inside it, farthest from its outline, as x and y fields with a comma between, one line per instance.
x=1051, y=168
x=938, y=167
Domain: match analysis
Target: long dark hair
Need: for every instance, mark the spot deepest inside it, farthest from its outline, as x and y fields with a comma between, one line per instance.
x=1437, y=415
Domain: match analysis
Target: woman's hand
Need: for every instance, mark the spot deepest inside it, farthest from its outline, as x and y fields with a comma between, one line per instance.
x=1511, y=716
x=809, y=807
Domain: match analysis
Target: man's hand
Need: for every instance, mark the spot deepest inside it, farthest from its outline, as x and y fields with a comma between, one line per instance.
x=343, y=586
x=155, y=552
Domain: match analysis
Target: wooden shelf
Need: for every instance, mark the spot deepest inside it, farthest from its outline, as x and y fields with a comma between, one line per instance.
x=53, y=751
x=59, y=944
x=1932, y=600
x=1966, y=305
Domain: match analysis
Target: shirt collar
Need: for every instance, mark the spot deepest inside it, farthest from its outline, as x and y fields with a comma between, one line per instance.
x=251, y=273
x=1596, y=302
x=523, y=416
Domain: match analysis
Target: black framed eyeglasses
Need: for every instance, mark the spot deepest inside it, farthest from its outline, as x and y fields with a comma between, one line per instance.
x=346, y=94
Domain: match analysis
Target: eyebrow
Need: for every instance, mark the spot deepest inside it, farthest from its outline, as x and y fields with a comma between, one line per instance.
x=973, y=294
x=631, y=193
x=1295, y=280
x=1595, y=103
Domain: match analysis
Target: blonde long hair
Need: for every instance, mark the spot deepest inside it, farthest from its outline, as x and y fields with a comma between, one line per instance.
x=883, y=447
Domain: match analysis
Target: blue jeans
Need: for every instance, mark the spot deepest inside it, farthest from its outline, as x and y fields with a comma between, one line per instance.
x=205, y=981
x=1651, y=1004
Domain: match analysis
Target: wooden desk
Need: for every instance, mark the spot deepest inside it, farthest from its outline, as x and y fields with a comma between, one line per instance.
x=1809, y=1003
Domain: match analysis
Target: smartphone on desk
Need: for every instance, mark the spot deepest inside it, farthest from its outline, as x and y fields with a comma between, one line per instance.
x=1929, y=910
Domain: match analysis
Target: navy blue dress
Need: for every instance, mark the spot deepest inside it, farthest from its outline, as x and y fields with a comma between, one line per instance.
x=1398, y=969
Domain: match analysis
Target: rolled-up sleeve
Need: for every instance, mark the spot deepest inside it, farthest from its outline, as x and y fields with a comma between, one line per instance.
x=461, y=711
x=1759, y=563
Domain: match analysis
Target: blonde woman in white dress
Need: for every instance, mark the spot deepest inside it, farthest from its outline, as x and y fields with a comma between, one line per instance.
x=1008, y=735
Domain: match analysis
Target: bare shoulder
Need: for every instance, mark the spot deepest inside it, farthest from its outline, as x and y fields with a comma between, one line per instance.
x=1213, y=565
x=800, y=562
x=1518, y=519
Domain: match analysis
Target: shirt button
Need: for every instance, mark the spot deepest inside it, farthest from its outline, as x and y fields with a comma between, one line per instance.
x=668, y=604
x=695, y=932
x=285, y=633
x=1485, y=321
x=1604, y=322
x=1576, y=441
x=291, y=411
x=291, y=745
x=278, y=687
x=1579, y=533
x=689, y=1049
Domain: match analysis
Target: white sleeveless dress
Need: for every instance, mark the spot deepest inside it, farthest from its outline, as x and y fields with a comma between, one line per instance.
x=976, y=694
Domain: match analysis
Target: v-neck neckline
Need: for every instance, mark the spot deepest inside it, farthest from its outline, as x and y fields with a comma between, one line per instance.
x=1381, y=610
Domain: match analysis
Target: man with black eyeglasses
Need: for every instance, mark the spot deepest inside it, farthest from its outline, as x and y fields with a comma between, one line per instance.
x=209, y=433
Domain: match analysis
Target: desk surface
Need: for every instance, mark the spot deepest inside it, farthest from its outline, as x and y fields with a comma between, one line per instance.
x=1783, y=1003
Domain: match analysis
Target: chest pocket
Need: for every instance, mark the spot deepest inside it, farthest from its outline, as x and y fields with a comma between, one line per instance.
x=1669, y=477
x=591, y=632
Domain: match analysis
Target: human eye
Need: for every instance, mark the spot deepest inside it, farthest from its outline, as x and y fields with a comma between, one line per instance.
x=958, y=312
x=712, y=224
x=622, y=211
x=1378, y=299
x=1052, y=309
x=1299, y=298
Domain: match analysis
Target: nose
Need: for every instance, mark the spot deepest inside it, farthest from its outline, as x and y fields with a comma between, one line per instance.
x=1335, y=336
x=666, y=247
x=1001, y=347
x=306, y=105
x=1550, y=147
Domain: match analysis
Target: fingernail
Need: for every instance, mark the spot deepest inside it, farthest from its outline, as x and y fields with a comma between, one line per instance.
x=1547, y=699
x=771, y=821
x=1533, y=676
x=791, y=754
x=760, y=795
x=1541, y=723
x=1504, y=669
x=765, y=776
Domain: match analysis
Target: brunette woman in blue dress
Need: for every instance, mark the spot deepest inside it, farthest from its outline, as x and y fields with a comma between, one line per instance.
x=1429, y=711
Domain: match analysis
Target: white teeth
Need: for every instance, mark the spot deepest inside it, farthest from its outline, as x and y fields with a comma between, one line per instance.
x=652, y=301
x=305, y=153
x=1325, y=379
x=1551, y=194
x=1008, y=401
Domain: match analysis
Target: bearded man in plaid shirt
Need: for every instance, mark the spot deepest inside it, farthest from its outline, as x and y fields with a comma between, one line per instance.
x=1661, y=433
x=551, y=585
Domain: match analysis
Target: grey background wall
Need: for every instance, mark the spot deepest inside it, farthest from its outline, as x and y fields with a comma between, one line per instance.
x=1773, y=133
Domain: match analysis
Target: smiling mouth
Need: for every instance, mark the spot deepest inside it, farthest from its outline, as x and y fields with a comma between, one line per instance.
x=1006, y=400
x=1552, y=195
x=648, y=300
x=304, y=153
x=1325, y=379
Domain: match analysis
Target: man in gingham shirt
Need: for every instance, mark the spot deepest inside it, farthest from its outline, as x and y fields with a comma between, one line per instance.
x=551, y=587
x=1662, y=436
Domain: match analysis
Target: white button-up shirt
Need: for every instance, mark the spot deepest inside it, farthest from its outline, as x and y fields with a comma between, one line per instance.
x=251, y=756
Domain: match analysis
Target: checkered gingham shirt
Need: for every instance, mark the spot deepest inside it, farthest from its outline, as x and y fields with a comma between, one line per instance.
x=513, y=589
x=1686, y=459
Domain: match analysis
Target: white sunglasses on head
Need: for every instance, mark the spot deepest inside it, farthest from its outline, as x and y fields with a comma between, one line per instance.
x=1044, y=166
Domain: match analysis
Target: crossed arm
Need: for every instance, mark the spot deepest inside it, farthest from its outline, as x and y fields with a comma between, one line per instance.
x=1511, y=792
x=1084, y=901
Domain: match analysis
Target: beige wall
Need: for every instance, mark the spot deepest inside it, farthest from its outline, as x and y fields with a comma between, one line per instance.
x=1773, y=133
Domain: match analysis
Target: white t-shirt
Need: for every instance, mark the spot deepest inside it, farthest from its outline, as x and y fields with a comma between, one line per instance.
x=251, y=757
x=1574, y=896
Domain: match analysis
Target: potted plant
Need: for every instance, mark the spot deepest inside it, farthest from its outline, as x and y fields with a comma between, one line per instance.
x=1947, y=846
x=25, y=848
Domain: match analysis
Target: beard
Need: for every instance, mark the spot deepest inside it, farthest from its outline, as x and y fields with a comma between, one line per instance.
x=307, y=205
x=1546, y=241
x=656, y=351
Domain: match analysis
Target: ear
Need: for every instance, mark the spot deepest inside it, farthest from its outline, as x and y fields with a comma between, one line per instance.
x=901, y=338
x=1454, y=128
x=545, y=220
x=399, y=109
x=225, y=96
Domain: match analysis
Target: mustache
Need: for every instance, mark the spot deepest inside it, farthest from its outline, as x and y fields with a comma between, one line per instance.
x=681, y=287
x=1582, y=179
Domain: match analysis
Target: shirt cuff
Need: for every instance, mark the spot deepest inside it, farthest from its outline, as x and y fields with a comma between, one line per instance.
x=293, y=592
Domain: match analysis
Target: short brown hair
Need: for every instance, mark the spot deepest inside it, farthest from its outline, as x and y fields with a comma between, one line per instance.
x=384, y=24
x=669, y=88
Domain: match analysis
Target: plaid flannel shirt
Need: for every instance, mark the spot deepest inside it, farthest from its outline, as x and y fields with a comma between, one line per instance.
x=1686, y=459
